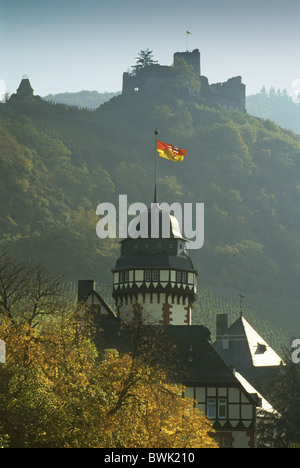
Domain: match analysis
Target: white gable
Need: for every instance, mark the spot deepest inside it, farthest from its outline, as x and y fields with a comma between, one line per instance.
x=265, y=405
x=261, y=353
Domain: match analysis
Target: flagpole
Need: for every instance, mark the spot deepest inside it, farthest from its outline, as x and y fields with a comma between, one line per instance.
x=186, y=36
x=155, y=167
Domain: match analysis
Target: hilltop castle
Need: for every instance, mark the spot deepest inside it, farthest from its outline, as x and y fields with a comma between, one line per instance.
x=230, y=94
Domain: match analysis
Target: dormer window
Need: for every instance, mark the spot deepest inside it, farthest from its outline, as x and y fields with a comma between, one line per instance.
x=261, y=348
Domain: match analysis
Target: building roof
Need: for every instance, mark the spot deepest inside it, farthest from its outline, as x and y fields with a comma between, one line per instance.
x=151, y=225
x=184, y=351
x=24, y=91
x=88, y=296
x=265, y=405
x=241, y=343
x=245, y=351
x=25, y=88
x=187, y=349
x=198, y=360
x=159, y=260
x=156, y=222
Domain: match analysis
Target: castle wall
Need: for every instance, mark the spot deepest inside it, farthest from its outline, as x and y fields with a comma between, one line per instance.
x=148, y=79
x=230, y=94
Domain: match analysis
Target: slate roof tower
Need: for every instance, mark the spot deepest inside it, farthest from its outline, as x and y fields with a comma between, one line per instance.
x=155, y=274
x=25, y=89
x=24, y=92
x=243, y=349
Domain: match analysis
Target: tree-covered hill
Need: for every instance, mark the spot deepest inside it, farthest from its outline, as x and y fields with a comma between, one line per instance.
x=277, y=106
x=82, y=99
x=57, y=163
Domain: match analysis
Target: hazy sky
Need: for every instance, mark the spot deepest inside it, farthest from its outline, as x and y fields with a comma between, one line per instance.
x=71, y=45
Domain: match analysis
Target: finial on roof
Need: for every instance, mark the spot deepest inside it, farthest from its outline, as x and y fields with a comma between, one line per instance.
x=241, y=303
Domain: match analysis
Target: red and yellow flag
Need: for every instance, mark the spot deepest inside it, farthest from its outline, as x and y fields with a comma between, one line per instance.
x=170, y=152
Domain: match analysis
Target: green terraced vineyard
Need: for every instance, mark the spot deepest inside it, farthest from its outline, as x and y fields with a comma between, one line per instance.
x=277, y=320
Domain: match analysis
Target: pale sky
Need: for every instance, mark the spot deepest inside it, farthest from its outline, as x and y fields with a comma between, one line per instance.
x=71, y=45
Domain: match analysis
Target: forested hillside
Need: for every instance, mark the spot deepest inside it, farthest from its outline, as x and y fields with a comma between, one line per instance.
x=82, y=99
x=58, y=162
x=277, y=106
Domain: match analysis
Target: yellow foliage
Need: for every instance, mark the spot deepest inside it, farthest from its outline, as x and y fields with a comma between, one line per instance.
x=60, y=393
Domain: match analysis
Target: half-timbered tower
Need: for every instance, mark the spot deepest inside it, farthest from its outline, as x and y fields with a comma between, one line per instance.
x=155, y=273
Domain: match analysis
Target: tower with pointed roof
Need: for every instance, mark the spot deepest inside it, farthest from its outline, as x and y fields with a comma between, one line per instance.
x=24, y=91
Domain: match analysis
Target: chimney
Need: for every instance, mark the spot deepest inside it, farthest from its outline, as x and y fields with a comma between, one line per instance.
x=221, y=325
x=84, y=288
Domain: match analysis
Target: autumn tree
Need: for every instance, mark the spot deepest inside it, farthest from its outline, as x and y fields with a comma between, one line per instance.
x=27, y=291
x=59, y=390
x=145, y=410
x=67, y=395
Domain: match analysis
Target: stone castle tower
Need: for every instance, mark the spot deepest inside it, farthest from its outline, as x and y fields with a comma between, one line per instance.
x=154, y=275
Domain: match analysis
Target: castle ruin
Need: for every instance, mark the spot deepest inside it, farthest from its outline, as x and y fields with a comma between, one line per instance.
x=230, y=94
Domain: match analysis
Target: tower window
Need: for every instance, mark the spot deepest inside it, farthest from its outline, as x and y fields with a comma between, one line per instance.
x=121, y=276
x=126, y=276
x=155, y=275
x=151, y=275
x=184, y=277
x=178, y=276
x=147, y=275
